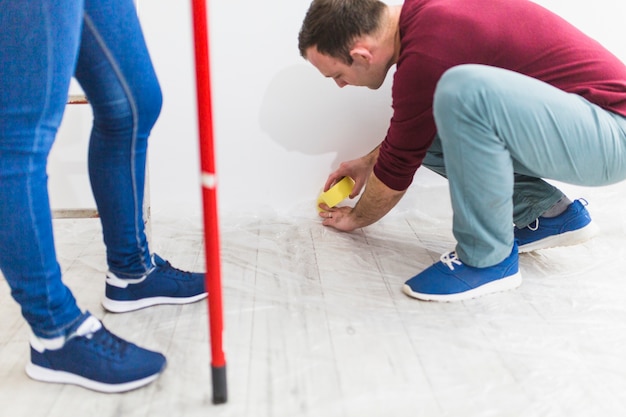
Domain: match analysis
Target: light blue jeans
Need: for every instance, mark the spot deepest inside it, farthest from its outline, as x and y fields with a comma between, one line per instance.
x=532, y=196
x=499, y=133
x=42, y=44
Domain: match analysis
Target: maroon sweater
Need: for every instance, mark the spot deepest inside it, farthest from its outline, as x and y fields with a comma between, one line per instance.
x=513, y=34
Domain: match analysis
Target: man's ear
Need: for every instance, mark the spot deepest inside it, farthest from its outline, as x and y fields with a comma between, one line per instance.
x=361, y=55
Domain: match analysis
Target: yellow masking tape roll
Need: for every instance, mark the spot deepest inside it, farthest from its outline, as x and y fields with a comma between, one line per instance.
x=337, y=193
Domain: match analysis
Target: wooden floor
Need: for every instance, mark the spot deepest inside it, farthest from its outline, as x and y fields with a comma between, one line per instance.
x=317, y=326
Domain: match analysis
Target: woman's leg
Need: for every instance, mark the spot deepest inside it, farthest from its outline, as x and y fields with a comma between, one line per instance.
x=116, y=73
x=39, y=42
x=115, y=70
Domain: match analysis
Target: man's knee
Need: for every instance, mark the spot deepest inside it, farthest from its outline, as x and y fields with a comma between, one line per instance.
x=458, y=85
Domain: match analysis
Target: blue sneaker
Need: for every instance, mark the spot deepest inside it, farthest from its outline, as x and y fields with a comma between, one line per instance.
x=164, y=284
x=452, y=280
x=571, y=227
x=94, y=358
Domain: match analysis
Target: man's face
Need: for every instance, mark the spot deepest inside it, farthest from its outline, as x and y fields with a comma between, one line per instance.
x=360, y=74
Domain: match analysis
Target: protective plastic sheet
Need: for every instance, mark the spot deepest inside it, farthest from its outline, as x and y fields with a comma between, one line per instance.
x=319, y=324
x=316, y=323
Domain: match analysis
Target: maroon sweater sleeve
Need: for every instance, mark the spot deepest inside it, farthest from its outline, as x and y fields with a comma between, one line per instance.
x=518, y=35
x=412, y=128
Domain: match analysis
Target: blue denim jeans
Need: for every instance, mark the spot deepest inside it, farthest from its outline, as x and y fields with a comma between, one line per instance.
x=44, y=43
x=500, y=133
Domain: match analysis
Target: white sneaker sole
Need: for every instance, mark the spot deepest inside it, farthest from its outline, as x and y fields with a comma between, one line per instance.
x=503, y=284
x=564, y=239
x=125, y=306
x=49, y=375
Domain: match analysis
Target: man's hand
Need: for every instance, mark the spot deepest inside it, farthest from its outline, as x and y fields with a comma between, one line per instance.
x=338, y=218
x=358, y=169
x=375, y=202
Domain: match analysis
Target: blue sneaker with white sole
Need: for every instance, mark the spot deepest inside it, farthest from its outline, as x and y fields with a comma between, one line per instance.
x=571, y=227
x=452, y=280
x=94, y=358
x=163, y=284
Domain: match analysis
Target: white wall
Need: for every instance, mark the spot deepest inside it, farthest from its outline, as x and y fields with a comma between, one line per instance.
x=280, y=127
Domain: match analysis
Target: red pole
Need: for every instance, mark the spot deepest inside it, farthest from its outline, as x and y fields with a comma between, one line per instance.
x=209, y=190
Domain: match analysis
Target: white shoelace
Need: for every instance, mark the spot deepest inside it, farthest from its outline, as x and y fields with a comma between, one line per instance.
x=450, y=259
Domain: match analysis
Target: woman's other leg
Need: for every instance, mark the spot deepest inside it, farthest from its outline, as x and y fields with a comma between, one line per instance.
x=115, y=70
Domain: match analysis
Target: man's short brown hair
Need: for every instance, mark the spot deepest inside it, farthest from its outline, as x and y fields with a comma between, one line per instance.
x=333, y=25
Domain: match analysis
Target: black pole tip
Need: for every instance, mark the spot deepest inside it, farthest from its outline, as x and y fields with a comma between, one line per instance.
x=220, y=390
